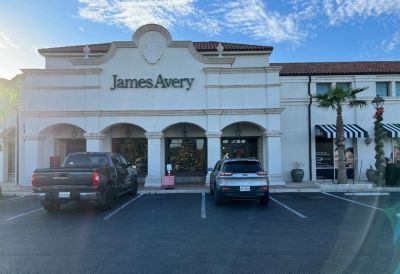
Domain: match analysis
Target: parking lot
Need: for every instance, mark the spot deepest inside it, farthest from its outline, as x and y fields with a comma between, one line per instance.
x=181, y=233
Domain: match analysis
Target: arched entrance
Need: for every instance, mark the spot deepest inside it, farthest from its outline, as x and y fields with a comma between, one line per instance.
x=129, y=141
x=186, y=151
x=242, y=139
x=61, y=140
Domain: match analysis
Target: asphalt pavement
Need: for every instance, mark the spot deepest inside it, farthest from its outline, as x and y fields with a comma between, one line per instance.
x=186, y=233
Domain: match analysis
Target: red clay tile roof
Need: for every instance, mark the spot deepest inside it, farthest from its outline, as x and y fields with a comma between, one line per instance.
x=339, y=68
x=199, y=46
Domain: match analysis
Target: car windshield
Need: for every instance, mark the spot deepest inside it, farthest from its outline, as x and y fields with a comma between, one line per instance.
x=85, y=160
x=242, y=167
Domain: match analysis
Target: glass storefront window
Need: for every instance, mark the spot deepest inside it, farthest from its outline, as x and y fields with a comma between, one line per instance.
x=186, y=155
x=239, y=147
x=133, y=150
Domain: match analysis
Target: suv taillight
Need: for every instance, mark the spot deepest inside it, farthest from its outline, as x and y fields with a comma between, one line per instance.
x=34, y=179
x=95, y=178
x=226, y=173
x=261, y=173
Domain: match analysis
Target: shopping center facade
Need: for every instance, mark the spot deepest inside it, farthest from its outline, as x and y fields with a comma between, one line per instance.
x=188, y=104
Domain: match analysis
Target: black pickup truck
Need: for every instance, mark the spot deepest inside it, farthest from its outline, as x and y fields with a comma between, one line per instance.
x=85, y=176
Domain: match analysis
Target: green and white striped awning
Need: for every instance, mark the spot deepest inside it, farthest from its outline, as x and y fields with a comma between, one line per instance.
x=350, y=131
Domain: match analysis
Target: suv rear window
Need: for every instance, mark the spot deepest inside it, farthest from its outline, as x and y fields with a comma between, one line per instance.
x=242, y=167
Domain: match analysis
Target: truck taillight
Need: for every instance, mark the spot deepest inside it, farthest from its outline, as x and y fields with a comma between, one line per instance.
x=34, y=179
x=95, y=178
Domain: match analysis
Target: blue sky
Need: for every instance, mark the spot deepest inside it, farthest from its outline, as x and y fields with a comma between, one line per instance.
x=299, y=30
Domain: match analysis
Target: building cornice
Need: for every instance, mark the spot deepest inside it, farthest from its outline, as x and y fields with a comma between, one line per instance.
x=105, y=113
x=90, y=71
x=244, y=86
x=222, y=70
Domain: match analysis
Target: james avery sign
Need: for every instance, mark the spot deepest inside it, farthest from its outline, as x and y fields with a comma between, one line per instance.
x=160, y=82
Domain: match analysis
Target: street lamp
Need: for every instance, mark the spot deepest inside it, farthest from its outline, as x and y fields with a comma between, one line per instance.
x=377, y=103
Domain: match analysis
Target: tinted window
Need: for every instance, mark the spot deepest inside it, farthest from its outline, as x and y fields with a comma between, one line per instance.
x=323, y=88
x=123, y=161
x=344, y=86
x=85, y=159
x=116, y=160
x=382, y=89
x=242, y=167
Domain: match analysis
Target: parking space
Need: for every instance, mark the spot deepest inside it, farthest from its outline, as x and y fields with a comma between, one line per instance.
x=187, y=232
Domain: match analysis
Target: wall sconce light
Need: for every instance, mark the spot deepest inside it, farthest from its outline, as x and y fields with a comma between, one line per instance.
x=74, y=133
x=368, y=140
x=238, y=132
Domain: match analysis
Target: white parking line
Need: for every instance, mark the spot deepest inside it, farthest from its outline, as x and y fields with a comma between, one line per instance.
x=367, y=194
x=351, y=201
x=121, y=207
x=288, y=208
x=15, y=198
x=23, y=214
x=203, y=206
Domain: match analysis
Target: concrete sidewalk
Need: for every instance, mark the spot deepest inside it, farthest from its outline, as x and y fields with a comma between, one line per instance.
x=12, y=189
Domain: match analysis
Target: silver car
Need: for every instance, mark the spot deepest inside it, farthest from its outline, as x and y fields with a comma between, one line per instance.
x=239, y=178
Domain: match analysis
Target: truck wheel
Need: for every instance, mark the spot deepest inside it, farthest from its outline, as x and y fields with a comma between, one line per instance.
x=51, y=206
x=264, y=201
x=107, y=200
x=135, y=185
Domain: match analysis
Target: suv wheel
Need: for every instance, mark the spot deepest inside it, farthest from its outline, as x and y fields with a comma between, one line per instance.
x=219, y=199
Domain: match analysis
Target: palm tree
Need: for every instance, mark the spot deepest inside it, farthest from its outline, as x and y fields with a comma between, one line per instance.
x=336, y=98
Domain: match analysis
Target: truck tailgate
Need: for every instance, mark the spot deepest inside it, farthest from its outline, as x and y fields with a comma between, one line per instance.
x=64, y=176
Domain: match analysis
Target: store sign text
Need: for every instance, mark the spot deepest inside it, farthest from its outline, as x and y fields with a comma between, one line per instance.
x=160, y=82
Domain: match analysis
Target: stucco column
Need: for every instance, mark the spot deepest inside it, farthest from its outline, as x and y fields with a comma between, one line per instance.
x=31, y=159
x=213, y=150
x=155, y=167
x=94, y=141
x=2, y=165
x=272, y=156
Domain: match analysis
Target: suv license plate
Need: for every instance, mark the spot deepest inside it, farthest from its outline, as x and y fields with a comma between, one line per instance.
x=63, y=194
x=244, y=188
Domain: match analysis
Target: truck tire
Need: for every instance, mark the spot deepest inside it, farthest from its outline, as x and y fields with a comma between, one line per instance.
x=106, y=200
x=51, y=206
x=135, y=185
x=264, y=201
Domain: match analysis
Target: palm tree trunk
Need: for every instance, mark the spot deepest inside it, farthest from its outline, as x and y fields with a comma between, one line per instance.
x=340, y=142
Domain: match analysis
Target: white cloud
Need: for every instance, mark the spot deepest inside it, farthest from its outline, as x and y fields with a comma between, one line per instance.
x=392, y=44
x=339, y=11
x=135, y=13
x=252, y=17
x=249, y=17
x=7, y=42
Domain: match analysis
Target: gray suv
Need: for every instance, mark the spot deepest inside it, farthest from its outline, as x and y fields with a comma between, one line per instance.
x=239, y=178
